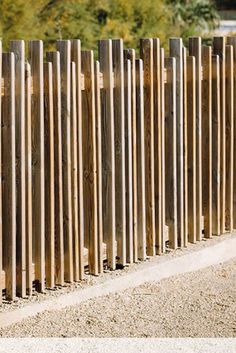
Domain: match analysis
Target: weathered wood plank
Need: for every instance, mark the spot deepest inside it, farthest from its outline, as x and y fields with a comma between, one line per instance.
x=78, y=254
x=229, y=130
x=195, y=50
x=141, y=199
x=108, y=150
x=49, y=177
x=28, y=165
x=216, y=145
x=9, y=174
x=119, y=126
x=1, y=252
x=207, y=140
x=99, y=164
x=90, y=160
x=219, y=49
x=192, y=148
x=176, y=51
x=54, y=58
x=171, y=152
x=64, y=47
x=146, y=54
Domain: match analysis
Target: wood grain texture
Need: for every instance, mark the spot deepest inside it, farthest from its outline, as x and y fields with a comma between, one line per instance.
x=229, y=130
x=1, y=244
x=141, y=199
x=108, y=150
x=37, y=120
x=195, y=46
x=90, y=161
x=119, y=128
x=9, y=175
x=49, y=177
x=219, y=49
x=216, y=145
x=146, y=54
x=64, y=47
x=29, y=189
x=171, y=152
x=192, y=149
x=207, y=140
x=76, y=57
x=18, y=48
x=176, y=51
x=54, y=58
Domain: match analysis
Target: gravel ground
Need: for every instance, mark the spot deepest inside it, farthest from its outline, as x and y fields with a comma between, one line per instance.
x=198, y=304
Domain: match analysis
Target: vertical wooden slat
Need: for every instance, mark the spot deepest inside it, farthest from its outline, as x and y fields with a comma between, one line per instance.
x=90, y=160
x=195, y=50
x=64, y=47
x=28, y=165
x=76, y=57
x=157, y=142
x=128, y=166
x=176, y=51
x=232, y=41
x=49, y=177
x=18, y=48
x=146, y=53
x=216, y=145
x=36, y=61
x=1, y=252
x=219, y=49
x=108, y=151
x=170, y=151
x=54, y=58
x=229, y=130
x=207, y=140
x=99, y=164
x=119, y=125
x=192, y=144
x=9, y=175
x=141, y=199
x=185, y=148
x=130, y=55
x=74, y=175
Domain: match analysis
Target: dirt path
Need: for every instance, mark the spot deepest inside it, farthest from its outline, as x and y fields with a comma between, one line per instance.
x=198, y=304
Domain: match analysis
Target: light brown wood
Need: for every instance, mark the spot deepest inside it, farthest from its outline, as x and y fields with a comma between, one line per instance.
x=219, y=49
x=229, y=130
x=54, y=58
x=1, y=252
x=192, y=149
x=18, y=48
x=176, y=51
x=99, y=164
x=141, y=199
x=64, y=47
x=171, y=152
x=146, y=54
x=207, y=140
x=90, y=161
x=9, y=175
x=49, y=177
x=76, y=57
x=28, y=165
x=108, y=150
x=119, y=126
x=216, y=146
x=37, y=120
x=128, y=165
x=195, y=50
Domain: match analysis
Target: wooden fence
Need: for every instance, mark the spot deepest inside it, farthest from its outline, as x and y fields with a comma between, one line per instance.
x=112, y=160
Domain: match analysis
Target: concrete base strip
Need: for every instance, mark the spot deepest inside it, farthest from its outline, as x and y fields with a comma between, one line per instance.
x=150, y=272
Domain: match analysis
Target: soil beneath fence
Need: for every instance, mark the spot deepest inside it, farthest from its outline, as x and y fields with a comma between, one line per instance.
x=197, y=304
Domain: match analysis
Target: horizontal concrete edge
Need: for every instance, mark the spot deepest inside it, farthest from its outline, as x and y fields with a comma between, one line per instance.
x=193, y=261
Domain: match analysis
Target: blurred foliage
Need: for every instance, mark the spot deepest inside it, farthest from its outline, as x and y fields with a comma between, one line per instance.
x=91, y=20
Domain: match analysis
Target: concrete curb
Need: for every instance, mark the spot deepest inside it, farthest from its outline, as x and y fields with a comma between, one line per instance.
x=193, y=261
